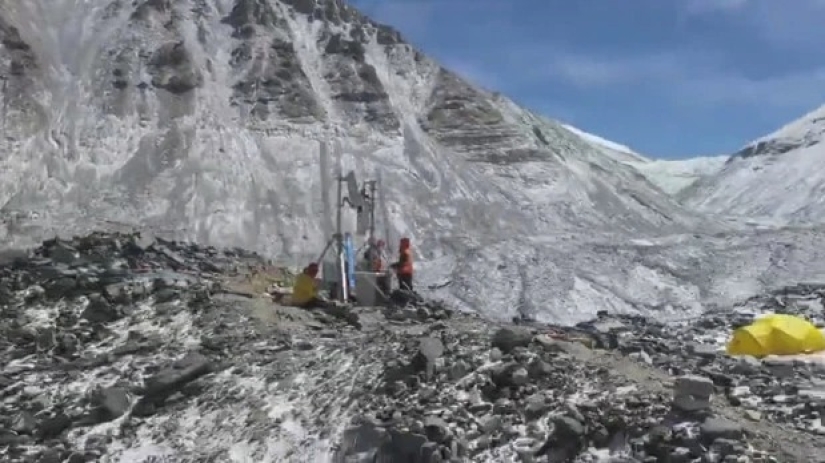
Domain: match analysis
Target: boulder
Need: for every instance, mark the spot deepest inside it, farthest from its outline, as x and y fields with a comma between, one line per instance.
x=507, y=339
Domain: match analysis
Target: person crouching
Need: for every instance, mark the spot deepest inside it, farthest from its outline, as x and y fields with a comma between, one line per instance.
x=305, y=289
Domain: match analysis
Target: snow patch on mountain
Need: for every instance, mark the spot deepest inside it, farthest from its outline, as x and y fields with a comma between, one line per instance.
x=622, y=152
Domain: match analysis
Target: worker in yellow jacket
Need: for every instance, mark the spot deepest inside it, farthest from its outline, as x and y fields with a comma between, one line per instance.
x=305, y=289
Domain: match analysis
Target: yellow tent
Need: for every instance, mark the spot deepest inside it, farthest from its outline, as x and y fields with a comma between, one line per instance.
x=776, y=334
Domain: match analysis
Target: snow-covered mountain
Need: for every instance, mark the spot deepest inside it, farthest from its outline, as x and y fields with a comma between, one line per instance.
x=778, y=177
x=203, y=118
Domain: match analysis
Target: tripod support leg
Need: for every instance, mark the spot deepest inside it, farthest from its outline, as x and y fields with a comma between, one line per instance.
x=324, y=252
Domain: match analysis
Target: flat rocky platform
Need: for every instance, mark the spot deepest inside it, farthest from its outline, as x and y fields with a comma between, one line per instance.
x=130, y=349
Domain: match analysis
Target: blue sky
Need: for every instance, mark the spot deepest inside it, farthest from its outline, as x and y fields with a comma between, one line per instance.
x=670, y=78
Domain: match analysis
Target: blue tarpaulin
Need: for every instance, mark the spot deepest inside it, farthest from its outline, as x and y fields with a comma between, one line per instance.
x=349, y=255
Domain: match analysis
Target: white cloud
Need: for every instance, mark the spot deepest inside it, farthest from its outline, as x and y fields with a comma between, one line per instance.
x=785, y=91
x=606, y=71
x=686, y=78
x=793, y=23
x=797, y=24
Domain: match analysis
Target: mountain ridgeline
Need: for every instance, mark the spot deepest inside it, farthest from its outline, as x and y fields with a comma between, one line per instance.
x=778, y=177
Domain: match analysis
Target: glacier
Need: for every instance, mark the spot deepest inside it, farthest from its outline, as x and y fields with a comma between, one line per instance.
x=670, y=175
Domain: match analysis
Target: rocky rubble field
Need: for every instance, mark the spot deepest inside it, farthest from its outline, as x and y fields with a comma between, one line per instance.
x=134, y=349
x=790, y=391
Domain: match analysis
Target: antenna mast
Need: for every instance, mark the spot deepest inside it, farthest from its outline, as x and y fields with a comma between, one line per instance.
x=339, y=236
x=381, y=202
x=5, y=108
x=373, y=188
x=326, y=222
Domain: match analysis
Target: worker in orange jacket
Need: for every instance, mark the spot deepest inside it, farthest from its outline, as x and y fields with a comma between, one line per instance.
x=404, y=267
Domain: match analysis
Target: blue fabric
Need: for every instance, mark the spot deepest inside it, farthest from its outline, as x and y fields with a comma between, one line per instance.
x=349, y=255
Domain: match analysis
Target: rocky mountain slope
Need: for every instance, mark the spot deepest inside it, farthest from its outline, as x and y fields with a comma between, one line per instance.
x=201, y=119
x=123, y=348
x=778, y=176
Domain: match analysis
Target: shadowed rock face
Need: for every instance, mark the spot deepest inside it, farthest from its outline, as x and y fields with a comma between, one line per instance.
x=202, y=119
x=274, y=79
x=19, y=51
x=17, y=69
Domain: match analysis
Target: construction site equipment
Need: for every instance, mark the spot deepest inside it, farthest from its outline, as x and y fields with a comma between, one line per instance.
x=339, y=272
x=333, y=270
x=372, y=288
x=776, y=334
x=5, y=106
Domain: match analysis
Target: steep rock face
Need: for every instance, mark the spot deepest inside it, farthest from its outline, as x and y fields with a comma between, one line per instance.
x=778, y=177
x=462, y=118
x=273, y=78
x=18, y=63
x=202, y=119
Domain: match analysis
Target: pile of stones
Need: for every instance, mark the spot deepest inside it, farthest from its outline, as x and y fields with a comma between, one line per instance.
x=122, y=328
x=473, y=393
x=117, y=347
x=772, y=389
x=407, y=306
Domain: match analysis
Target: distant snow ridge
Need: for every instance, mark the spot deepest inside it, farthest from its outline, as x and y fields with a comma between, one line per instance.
x=806, y=131
x=777, y=177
